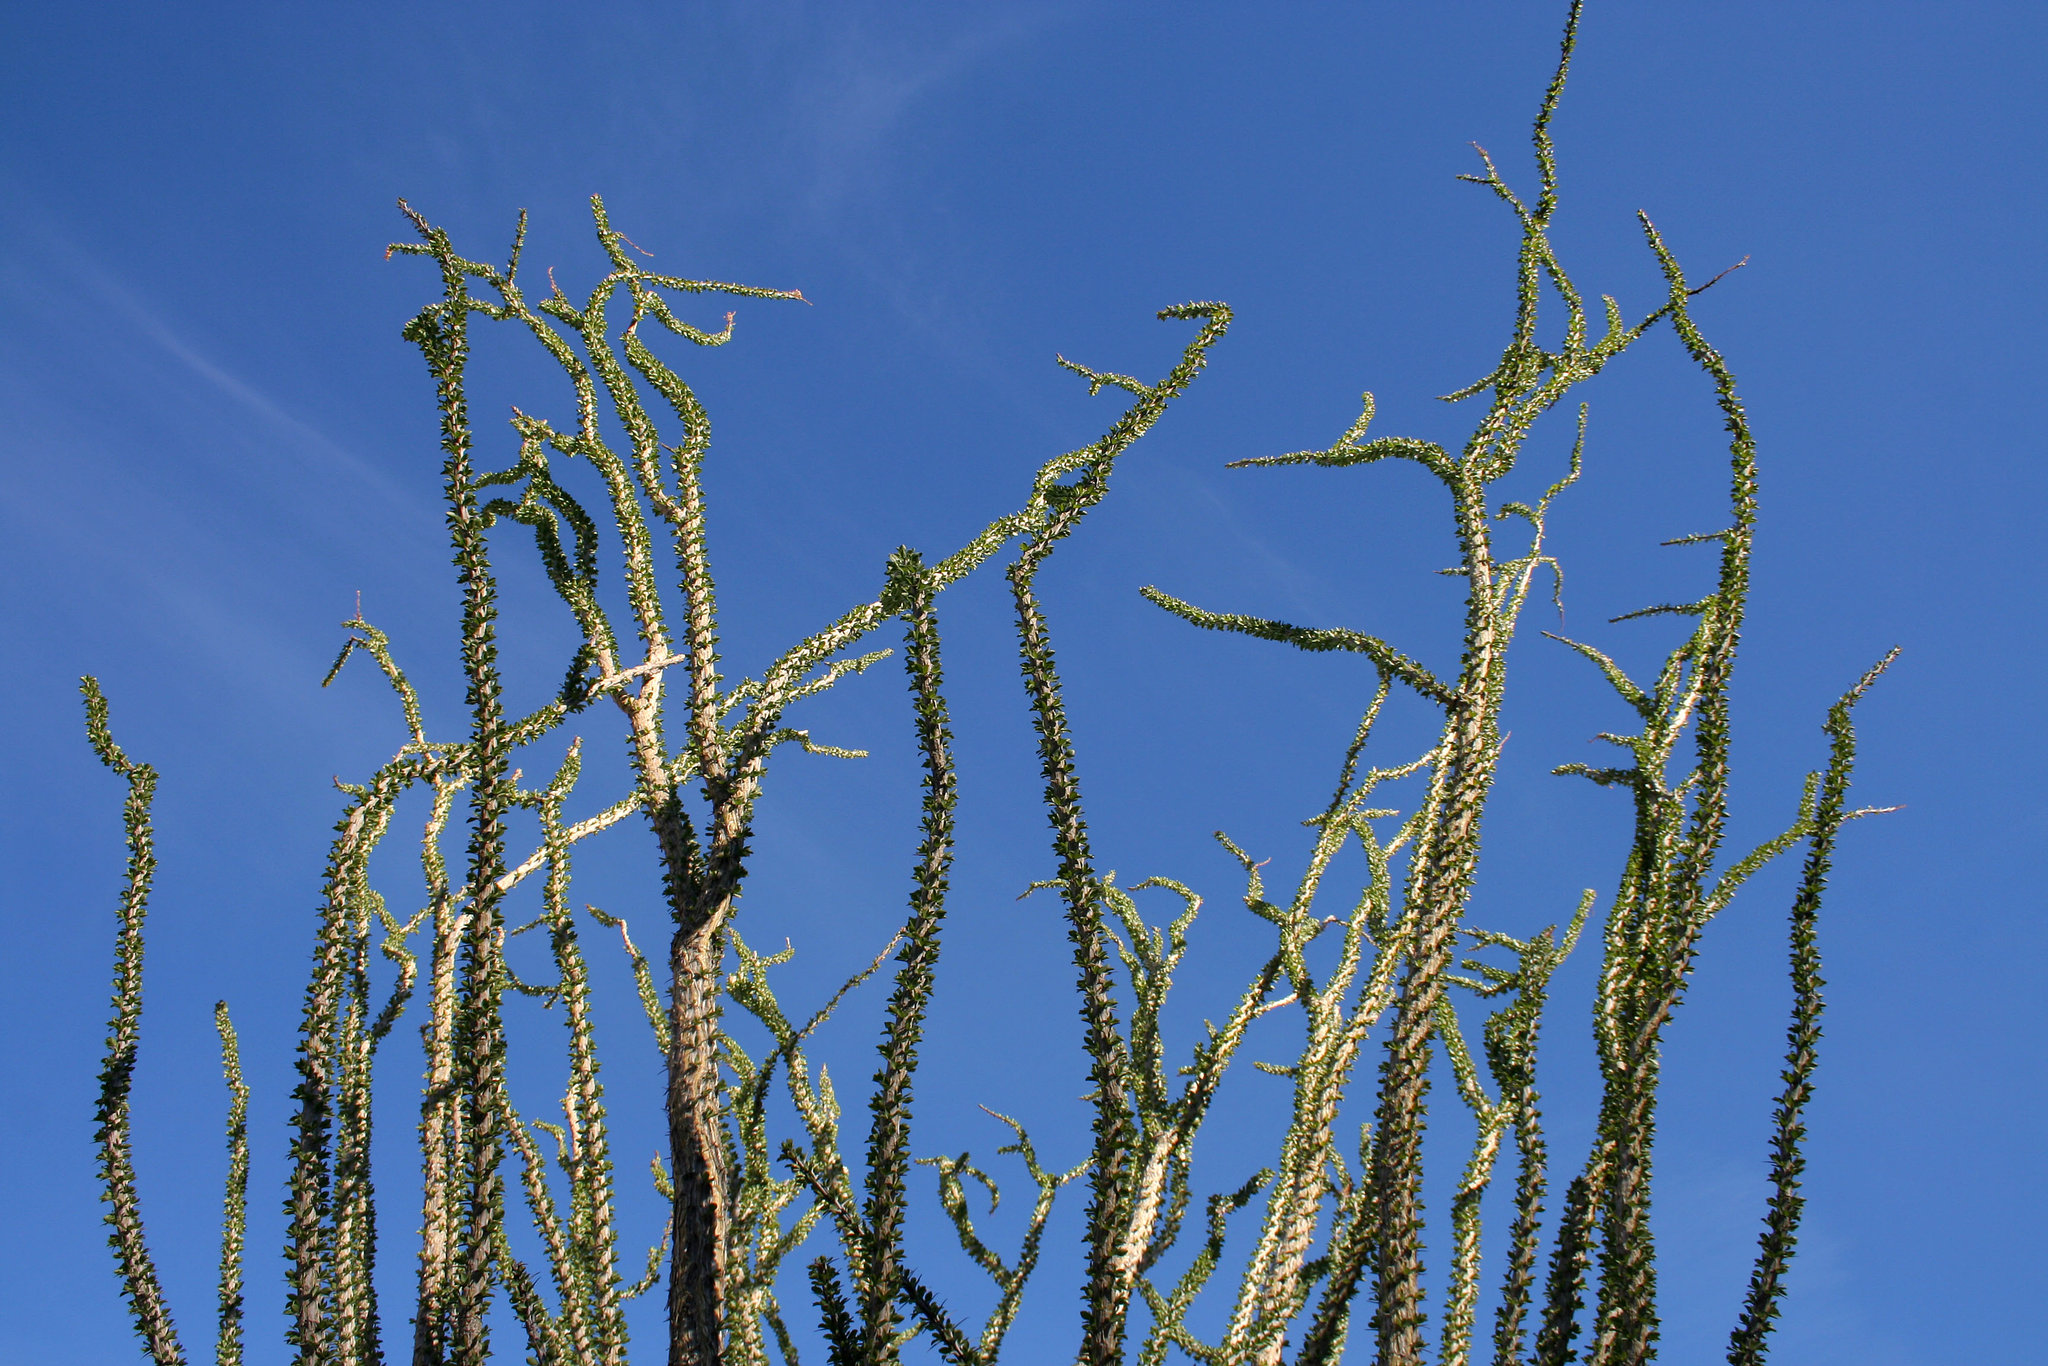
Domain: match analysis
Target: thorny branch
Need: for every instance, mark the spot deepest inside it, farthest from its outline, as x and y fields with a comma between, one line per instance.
x=1341, y=1222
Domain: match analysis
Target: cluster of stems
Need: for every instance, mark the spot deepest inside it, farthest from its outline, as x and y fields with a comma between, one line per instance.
x=1336, y=1262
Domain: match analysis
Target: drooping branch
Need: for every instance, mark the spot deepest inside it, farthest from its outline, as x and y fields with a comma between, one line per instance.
x=139, y=1283
x=1747, y=1344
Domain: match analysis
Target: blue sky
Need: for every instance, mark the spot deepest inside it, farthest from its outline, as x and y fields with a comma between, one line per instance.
x=215, y=439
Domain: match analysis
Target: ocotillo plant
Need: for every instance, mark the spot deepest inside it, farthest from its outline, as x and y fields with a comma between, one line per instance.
x=1340, y=1236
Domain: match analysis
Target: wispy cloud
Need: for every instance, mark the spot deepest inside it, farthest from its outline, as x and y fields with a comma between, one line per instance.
x=50, y=277
x=98, y=377
x=863, y=89
x=297, y=436
x=861, y=85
